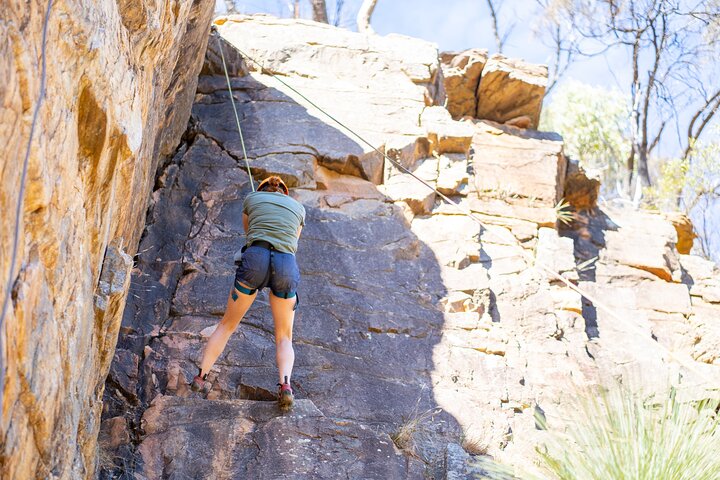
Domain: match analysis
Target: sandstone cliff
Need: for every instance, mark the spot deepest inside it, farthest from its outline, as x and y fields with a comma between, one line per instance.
x=120, y=79
x=422, y=338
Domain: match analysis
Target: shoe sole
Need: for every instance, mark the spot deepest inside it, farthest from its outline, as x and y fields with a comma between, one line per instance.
x=286, y=401
x=205, y=389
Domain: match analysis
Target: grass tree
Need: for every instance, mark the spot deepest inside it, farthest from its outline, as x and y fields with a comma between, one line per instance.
x=620, y=435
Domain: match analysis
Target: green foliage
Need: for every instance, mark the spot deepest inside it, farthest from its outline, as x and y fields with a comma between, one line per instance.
x=564, y=212
x=617, y=435
x=595, y=124
x=684, y=181
x=693, y=185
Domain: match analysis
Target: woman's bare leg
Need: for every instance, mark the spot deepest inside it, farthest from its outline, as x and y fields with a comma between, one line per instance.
x=234, y=312
x=284, y=315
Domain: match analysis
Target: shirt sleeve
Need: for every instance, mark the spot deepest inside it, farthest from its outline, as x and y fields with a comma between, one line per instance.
x=246, y=204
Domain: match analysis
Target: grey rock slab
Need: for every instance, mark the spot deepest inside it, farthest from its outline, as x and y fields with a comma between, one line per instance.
x=196, y=438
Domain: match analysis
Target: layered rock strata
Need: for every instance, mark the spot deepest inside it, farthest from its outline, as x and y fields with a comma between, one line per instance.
x=424, y=339
x=120, y=80
x=498, y=88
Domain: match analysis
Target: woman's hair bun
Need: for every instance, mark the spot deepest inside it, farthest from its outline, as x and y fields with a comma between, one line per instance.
x=273, y=184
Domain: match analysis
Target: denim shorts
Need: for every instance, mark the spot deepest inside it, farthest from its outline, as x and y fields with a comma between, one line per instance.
x=260, y=268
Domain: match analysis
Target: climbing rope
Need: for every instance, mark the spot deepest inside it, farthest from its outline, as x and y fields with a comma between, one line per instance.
x=21, y=195
x=232, y=101
x=542, y=269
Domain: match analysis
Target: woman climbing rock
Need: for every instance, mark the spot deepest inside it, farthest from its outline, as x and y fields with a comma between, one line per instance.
x=273, y=222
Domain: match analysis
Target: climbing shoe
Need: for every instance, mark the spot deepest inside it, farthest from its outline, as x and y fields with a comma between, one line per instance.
x=285, y=395
x=200, y=384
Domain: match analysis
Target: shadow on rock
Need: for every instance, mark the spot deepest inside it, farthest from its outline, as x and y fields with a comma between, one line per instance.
x=365, y=330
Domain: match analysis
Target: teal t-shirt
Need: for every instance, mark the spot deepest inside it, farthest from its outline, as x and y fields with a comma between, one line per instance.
x=275, y=218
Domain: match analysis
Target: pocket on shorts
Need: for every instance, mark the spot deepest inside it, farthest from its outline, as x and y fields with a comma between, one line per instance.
x=253, y=268
x=285, y=274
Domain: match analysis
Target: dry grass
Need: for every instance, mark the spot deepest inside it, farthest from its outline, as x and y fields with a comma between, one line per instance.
x=474, y=445
x=413, y=431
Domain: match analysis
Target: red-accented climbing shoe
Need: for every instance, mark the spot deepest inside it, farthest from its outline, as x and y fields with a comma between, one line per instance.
x=285, y=395
x=200, y=384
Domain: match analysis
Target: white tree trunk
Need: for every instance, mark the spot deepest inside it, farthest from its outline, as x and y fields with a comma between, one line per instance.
x=363, y=18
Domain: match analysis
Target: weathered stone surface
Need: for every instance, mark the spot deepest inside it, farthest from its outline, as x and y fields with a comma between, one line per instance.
x=663, y=297
x=685, y=231
x=642, y=241
x=452, y=175
x=445, y=134
x=580, y=191
x=260, y=442
x=510, y=163
x=511, y=88
x=555, y=252
x=337, y=70
x=705, y=334
x=432, y=322
x=510, y=210
x=405, y=188
x=114, y=433
x=461, y=76
x=120, y=81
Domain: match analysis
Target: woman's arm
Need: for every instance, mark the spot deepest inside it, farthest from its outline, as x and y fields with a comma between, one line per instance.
x=246, y=223
x=299, y=230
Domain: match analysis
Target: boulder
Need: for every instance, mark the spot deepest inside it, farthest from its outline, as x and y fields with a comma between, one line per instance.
x=685, y=231
x=405, y=188
x=114, y=433
x=461, y=76
x=663, y=297
x=469, y=279
x=555, y=252
x=452, y=174
x=580, y=191
x=512, y=209
x=510, y=88
x=642, y=240
x=510, y=162
x=445, y=134
x=120, y=81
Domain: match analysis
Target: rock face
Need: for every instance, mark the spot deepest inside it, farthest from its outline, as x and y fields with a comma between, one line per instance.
x=120, y=82
x=424, y=339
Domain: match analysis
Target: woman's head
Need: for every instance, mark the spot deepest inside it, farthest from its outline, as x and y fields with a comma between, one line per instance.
x=273, y=184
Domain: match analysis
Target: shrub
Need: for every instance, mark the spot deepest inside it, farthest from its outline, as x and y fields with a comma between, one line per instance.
x=617, y=435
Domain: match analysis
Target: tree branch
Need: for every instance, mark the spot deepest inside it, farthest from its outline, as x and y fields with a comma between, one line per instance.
x=364, y=15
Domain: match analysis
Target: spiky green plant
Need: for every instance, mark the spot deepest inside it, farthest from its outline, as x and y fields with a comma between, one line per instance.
x=617, y=435
x=564, y=212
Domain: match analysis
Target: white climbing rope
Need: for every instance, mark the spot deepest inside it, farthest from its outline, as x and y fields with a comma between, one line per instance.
x=232, y=101
x=542, y=269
